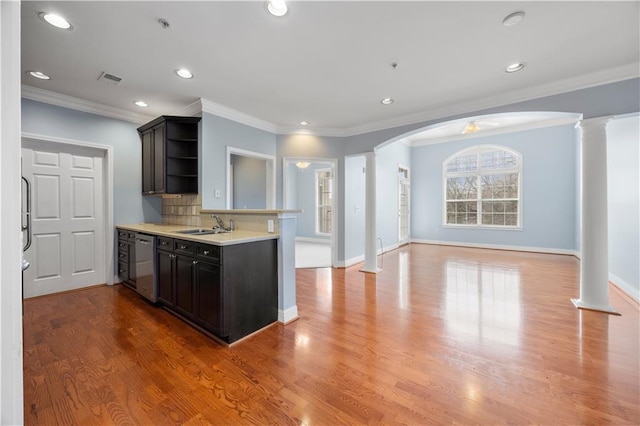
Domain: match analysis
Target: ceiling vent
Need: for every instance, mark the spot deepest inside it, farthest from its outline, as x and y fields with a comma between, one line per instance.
x=105, y=77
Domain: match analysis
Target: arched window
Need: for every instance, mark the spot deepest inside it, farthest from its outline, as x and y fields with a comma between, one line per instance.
x=482, y=187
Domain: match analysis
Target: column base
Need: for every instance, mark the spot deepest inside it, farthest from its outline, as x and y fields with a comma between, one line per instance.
x=604, y=309
x=371, y=271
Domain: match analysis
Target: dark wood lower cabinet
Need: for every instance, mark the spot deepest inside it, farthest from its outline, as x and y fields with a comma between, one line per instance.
x=127, y=257
x=166, y=270
x=184, y=284
x=229, y=291
x=209, y=298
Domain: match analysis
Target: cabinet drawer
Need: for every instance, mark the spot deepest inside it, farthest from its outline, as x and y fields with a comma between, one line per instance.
x=184, y=247
x=123, y=270
x=131, y=236
x=123, y=252
x=165, y=243
x=208, y=252
x=122, y=234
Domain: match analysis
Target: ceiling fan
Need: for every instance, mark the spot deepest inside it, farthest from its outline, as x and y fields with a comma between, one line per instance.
x=475, y=125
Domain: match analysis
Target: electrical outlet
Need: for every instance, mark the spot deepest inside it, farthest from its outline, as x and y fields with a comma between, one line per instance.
x=217, y=193
x=269, y=225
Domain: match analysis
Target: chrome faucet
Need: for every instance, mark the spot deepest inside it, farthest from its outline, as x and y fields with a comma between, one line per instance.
x=219, y=221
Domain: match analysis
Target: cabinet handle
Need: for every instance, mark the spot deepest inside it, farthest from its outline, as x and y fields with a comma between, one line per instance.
x=121, y=244
x=163, y=243
x=121, y=254
x=206, y=252
x=151, y=192
x=182, y=247
x=195, y=262
x=172, y=256
x=121, y=271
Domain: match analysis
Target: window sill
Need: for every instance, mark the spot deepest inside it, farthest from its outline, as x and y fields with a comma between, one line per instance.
x=485, y=227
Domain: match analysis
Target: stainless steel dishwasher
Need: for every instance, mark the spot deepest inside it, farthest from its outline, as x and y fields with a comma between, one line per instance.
x=146, y=283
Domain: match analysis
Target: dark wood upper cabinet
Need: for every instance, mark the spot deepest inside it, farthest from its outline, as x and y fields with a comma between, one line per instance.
x=170, y=155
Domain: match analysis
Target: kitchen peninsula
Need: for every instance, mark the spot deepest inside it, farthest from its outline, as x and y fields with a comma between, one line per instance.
x=228, y=284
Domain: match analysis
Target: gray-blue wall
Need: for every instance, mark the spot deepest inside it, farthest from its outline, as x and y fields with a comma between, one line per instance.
x=249, y=189
x=623, y=181
x=129, y=204
x=548, y=190
x=354, y=207
x=216, y=135
x=388, y=159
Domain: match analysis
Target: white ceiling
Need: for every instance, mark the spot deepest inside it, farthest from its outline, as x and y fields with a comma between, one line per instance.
x=329, y=63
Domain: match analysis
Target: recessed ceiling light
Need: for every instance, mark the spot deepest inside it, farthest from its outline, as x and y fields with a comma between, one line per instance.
x=515, y=67
x=277, y=7
x=513, y=18
x=38, y=74
x=141, y=104
x=386, y=101
x=55, y=20
x=304, y=123
x=184, y=73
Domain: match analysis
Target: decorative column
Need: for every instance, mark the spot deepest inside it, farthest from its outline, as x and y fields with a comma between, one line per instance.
x=594, y=260
x=287, y=307
x=370, y=231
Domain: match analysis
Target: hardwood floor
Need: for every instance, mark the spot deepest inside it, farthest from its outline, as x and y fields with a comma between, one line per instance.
x=443, y=335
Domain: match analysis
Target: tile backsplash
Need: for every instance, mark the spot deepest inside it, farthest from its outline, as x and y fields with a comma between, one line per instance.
x=186, y=210
x=182, y=209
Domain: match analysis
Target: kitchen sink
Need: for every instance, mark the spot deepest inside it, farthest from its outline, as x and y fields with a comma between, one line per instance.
x=201, y=231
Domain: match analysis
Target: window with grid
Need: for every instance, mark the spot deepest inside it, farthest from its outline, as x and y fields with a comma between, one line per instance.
x=323, y=201
x=482, y=187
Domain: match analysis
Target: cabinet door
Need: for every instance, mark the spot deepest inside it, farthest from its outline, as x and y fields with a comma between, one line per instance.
x=147, y=162
x=166, y=277
x=184, y=285
x=159, y=171
x=209, y=296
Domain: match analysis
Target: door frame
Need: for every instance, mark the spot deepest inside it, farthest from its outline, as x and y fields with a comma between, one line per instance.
x=408, y=179
x=107, y=170
x=333, y=165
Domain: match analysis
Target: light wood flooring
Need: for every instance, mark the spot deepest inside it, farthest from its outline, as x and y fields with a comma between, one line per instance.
x=442, y=335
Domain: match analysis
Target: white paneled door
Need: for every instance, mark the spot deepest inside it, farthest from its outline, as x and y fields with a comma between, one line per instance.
x=67, y=223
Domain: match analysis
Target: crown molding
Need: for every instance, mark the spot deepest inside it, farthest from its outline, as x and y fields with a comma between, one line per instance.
x=53, y=98
x=318, y=131
x=194, y=109
x=237, y=116
x=552, y=122
x=611, y=75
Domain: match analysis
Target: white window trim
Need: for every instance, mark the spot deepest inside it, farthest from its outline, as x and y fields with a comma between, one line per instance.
x=316, y=172
x=478, y=149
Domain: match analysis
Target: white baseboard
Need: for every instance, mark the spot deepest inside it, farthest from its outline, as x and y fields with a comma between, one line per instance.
x=350, y=262
x=359, y=259
x=288, y=315
x=314, y=240
x=625, y=287
x=500, y=247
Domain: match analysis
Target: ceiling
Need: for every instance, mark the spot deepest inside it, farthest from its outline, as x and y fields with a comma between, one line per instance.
x=328, y=63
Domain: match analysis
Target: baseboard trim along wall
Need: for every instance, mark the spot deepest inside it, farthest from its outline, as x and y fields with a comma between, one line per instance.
x=314, y=240
x=625, y=287
x=287, y=315
x=501, y=247
x=358, y=259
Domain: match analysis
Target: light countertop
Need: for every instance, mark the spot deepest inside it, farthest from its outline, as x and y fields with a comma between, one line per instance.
x=225, y=239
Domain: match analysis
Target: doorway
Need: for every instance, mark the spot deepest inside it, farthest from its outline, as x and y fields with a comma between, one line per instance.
x=404, y=205
x=71, y=242
x=310, y=185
